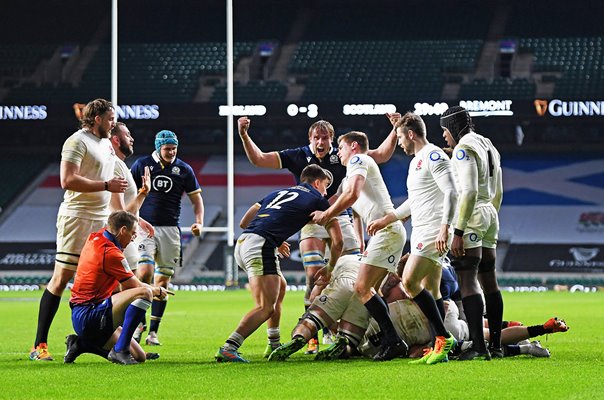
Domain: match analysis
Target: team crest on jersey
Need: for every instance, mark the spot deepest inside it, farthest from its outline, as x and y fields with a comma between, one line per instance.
x=176, y=170
x=334, y=159
x=419, y=165
x=419, y=246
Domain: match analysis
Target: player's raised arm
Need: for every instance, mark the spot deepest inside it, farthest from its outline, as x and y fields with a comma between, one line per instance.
x=256, y=156
x=386, y=149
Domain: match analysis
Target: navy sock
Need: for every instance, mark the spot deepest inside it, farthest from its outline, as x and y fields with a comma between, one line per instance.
x=474, y=307
x=494, y=304
x=49, y=304
x=158, y=307
x=379, y=311
x=133, y=316
x=440, y=304
x=426, y=303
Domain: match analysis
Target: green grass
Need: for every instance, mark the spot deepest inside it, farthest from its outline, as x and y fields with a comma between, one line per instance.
x=197, y=323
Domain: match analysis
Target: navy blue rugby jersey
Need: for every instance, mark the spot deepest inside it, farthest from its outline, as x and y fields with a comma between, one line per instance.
x=295, y=160
x=284, y=212
x=168, y=183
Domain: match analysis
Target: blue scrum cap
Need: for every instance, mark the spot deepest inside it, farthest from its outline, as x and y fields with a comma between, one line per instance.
x=165, y=137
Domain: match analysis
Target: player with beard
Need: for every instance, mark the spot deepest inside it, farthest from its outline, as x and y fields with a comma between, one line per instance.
x=132, y=200
x=320, y=151
x=431, y=205
x=162, y=253
x=87, y=175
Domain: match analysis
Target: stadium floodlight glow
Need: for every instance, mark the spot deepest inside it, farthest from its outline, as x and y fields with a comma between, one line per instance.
x=241, y=110
x=486, y=108
x=311, y=111
x=368, y=109
x=430, y=109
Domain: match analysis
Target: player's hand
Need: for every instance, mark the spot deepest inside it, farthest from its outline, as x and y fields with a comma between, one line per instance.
x=147, y=227
x=393, y=118
x=457, y=246
x=161, y=292
x=374, y=226
x=243, y=124
x=283, y=251
x=117, y=185
x=442, y=240
x=318, y=217
x=196, y=229
x=146, y=180
x=322, y=276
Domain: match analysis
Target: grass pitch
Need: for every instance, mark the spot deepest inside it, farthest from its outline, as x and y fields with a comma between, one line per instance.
x=197, y=323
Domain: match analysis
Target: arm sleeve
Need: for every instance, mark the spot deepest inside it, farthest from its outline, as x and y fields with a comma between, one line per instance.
x=116, y=265
x=191, y=183
x=468, y=186
x=137, y=173
x=73, y=150
x=403, y=211
x=443, y=175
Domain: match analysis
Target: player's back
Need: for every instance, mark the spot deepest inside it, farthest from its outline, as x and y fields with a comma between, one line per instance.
x=284, y=212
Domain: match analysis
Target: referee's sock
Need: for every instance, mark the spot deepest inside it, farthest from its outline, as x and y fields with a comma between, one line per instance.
x=133, y=316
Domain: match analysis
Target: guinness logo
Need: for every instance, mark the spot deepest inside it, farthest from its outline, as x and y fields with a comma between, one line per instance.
x=540, y=107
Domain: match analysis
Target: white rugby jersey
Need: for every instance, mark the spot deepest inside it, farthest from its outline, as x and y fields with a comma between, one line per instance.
x=430, y=177
x=476, y=149
x=96, y=160
x=122, y=170
x=374, y=201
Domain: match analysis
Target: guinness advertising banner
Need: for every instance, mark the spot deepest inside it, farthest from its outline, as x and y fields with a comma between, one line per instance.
x=27, y=256
x=554, y=258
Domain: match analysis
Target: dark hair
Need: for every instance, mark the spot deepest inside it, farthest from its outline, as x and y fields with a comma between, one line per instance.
x=312, y=172
x=356, y=136
x=118, y=219
x=115, y=128
x=412, y=121
x=457, y=120
x=92, y=110
x=322, y=125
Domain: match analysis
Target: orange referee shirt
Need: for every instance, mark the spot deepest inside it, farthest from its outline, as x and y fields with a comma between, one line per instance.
x=101, y=267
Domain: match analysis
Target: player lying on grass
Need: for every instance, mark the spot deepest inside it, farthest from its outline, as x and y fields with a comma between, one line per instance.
x=104, y=323
x=408, y=319
x=267, y=225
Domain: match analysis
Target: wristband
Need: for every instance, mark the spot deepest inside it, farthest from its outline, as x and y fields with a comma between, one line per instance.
x=106, y=185
x=458, y=232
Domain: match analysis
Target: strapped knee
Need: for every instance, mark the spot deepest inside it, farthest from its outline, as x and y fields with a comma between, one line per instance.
x=465, y=263
x=314, y=258
x=486, y=266
x=316, y=321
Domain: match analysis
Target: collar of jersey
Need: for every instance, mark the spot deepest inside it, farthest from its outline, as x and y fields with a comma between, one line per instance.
x=112, y=238
x=158, y=159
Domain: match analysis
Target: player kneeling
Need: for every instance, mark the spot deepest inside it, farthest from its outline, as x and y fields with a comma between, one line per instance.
x=104, y=323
